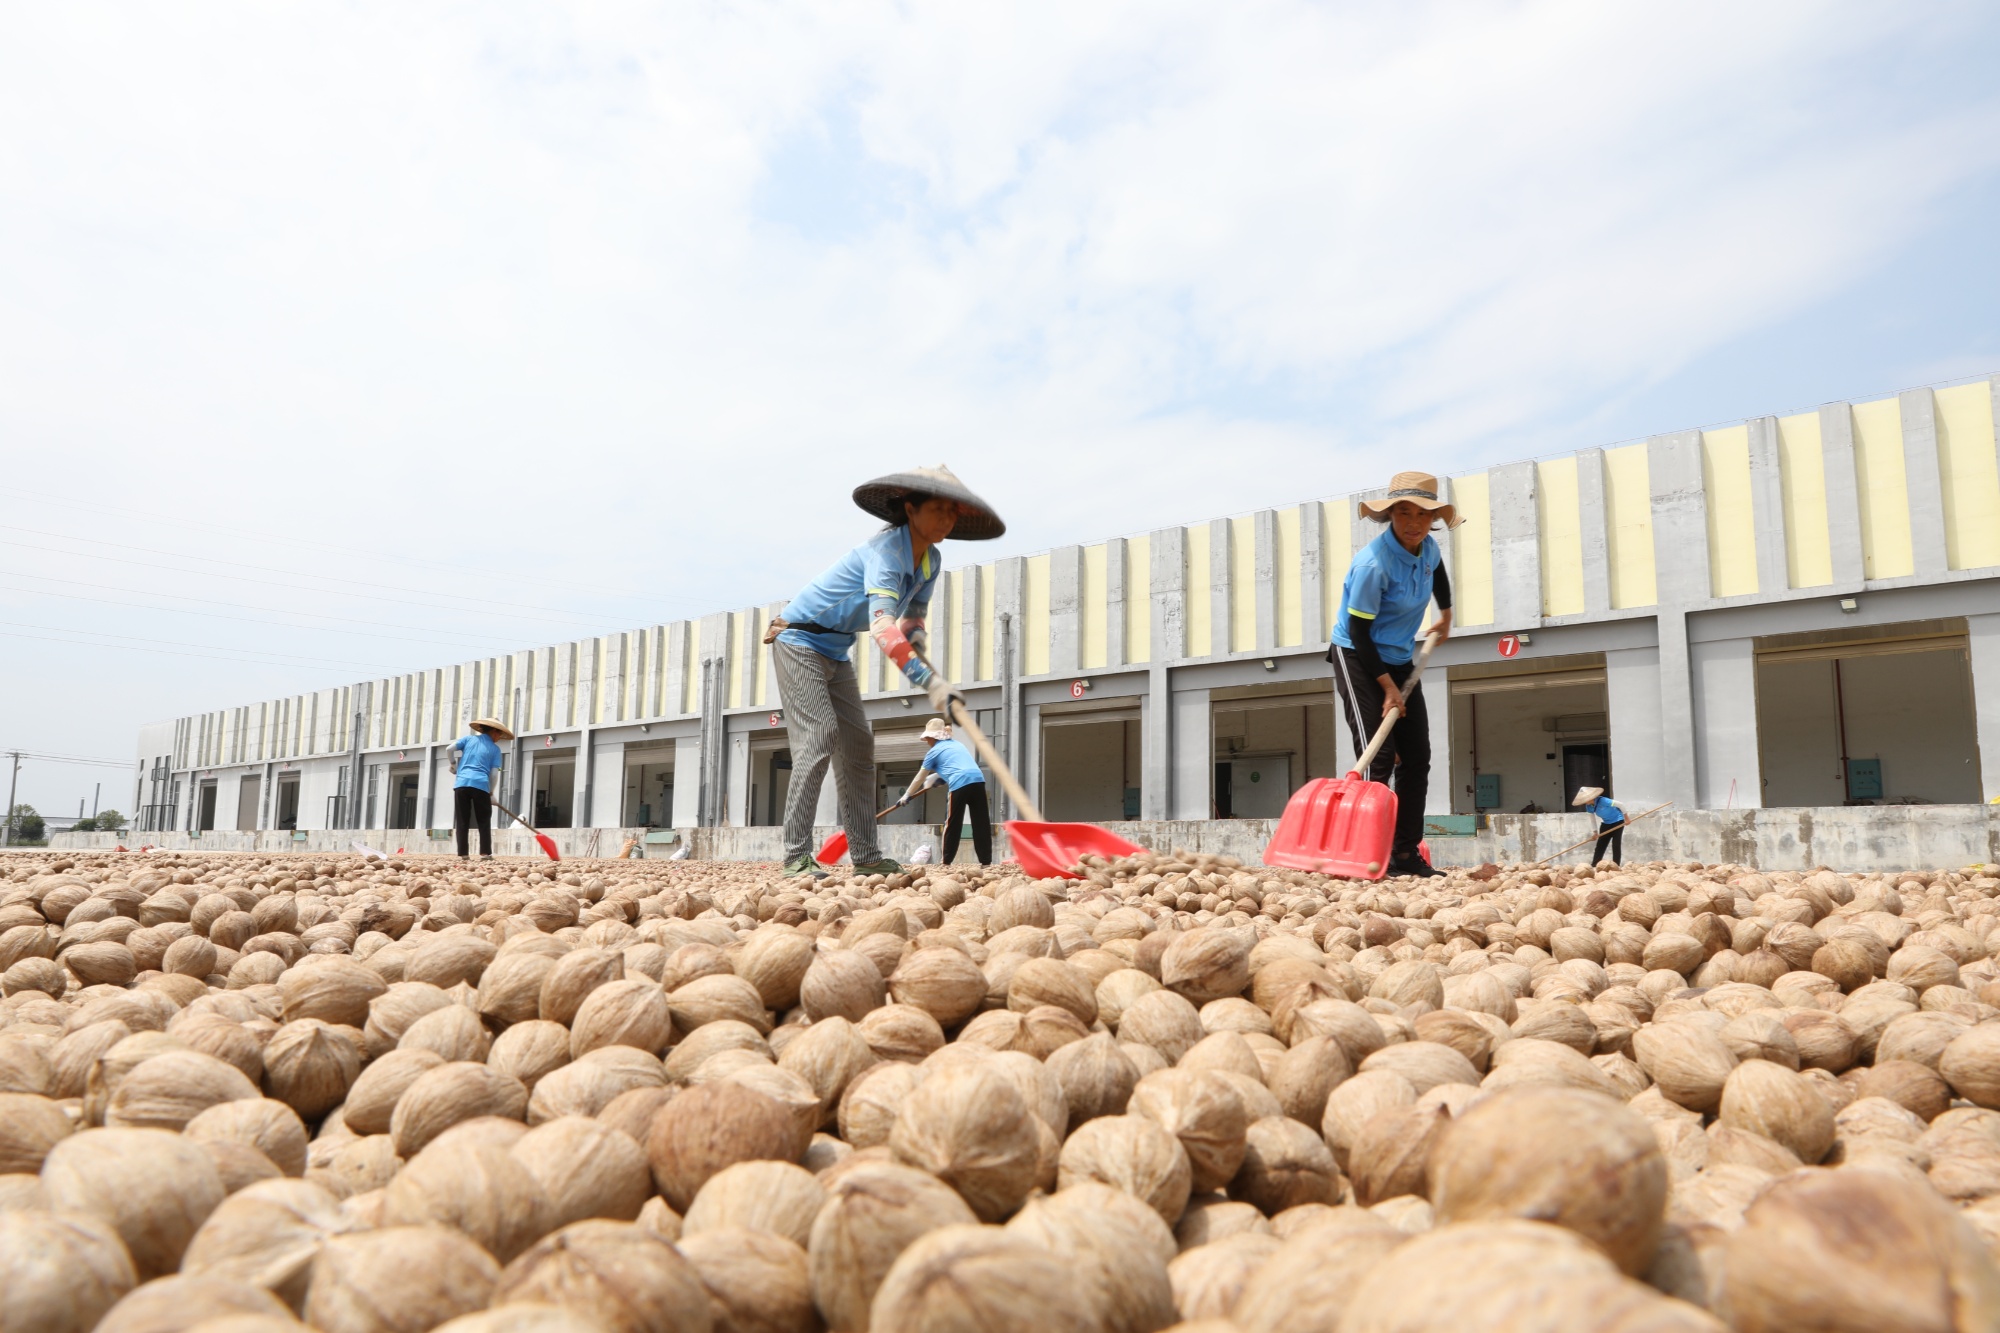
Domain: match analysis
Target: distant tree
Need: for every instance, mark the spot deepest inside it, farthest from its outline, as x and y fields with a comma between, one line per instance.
x=27, y=824
x=84, y=825
x=109, y=821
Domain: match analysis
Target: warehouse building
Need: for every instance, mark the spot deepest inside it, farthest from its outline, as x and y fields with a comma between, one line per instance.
x=1799, y=611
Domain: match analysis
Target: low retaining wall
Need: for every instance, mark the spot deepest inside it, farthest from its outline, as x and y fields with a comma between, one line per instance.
x=1847, y=838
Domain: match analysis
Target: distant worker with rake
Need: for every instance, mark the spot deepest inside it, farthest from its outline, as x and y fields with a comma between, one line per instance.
x=1610, y=822
x=1390, y=584
x=882, y=586
x=475, y=758
x=946, y=761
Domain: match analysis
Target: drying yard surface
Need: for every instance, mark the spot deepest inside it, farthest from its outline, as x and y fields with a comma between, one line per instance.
x=242, y=1094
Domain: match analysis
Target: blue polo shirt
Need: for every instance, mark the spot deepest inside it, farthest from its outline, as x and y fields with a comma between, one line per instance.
x=954, y=763
x=1392, y=587
x=878, y=575
x=1607, y=810
x=478, y=756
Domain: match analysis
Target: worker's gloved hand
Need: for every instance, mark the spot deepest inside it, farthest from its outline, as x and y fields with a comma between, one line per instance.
x=943, y=696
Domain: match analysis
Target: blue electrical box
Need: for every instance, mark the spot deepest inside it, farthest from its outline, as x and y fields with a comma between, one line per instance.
x=1486, y=791
x=1864, y=779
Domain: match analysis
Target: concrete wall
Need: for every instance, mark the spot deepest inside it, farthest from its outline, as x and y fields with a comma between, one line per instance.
x=1891, y=838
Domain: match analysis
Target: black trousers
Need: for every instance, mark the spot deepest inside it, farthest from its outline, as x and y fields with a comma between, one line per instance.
x=1612, y=836
x=971, y=799
x=469, y=807
x=1407, y=752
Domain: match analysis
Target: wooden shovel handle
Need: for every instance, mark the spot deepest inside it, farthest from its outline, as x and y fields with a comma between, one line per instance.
x=1390, y=720
x=961, y=716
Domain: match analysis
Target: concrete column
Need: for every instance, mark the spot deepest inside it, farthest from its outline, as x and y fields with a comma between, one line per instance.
x=583, y=792
x=1632, y=694
x=970, y=628
x=1843, y=498
x=1596, y=532
x=687, y=781
x=1168, y=594
x=1116, y=557
x=1361, y=531
x=562, y=692
x=1983, y=636
x=1437, y=707
x=1029, y=770
x=1680, y=523
x=1925, y=482
x=1220, y=579
x=745, y=643
x=1065, y=610
x=676, y=690
x=426, y=790
x=1156, y=781
x=1312, y=572
x=1676, y=724
x=1193, y=756
x=1767, y=507
x=1517, y=548
x=1724, y=676
x=612, y=708
x=1265, y=526
x=607, y=786
x=737, y=780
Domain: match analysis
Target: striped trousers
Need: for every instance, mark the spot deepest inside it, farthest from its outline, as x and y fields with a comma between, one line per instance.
x=827, y=726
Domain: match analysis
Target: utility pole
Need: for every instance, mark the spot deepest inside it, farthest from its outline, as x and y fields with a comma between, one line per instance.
x=7, y=825
x=95, y=797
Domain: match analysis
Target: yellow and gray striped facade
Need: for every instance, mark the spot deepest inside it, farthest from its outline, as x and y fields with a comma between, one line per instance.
x=1664, y=569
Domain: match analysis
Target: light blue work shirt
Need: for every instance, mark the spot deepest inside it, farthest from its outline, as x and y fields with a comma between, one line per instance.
x=954, y=763
x=1392, y=587
x=878, y=575
x=1607, y=810
x=478, y=756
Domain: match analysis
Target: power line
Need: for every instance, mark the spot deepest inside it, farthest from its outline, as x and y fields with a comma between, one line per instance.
x=212, y=657
x=248, y=620
x=556, y=619
x=69, y=759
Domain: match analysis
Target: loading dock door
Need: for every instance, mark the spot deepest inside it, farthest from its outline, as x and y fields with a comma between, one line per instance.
x=1526, y=736
x=1090, y=761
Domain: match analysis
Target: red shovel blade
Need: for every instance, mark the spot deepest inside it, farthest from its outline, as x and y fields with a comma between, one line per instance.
x=549, y=846
x=832, y=849
x=1336, y=826
x=1048, y=851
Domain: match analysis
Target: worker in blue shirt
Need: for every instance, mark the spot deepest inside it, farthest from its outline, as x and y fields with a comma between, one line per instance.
x=1610, y=821
x=947, y=761
x=1390, y=584
x=475, y=758
x=882, y=586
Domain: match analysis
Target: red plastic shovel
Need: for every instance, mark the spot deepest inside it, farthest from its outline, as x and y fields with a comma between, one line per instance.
x=548, y=843
x=1344, y=826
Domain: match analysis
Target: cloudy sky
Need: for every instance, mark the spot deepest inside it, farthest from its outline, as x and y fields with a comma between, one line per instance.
x=339, y=339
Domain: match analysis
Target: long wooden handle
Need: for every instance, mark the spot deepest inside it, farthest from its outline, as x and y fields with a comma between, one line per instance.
x=517, y=819
x=1629, y=821
x=962, y=716
x=1389, y=720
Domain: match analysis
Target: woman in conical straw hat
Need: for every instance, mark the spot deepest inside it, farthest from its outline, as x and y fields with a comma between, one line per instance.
x=475, y=758
x=882, y=586
x=1391, y=583
x=1610, y=821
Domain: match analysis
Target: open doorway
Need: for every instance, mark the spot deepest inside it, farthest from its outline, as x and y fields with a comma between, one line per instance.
x=1527, y=735
x=1875, y=717
x=205, y=807
x=402, y=806
x=246, y=803
x=1269, y=740
x=288, y=801
x=649, y=786
x=1091, y=762
x=555, y=787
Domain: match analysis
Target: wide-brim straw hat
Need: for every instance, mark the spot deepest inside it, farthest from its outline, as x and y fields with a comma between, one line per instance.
x=883, y=497
x=1585, y=795
x=937, y=730
x=1420, y=489
x=500, y=730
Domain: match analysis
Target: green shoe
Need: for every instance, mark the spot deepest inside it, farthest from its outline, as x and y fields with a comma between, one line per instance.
x=802, y=865
x=882, y=867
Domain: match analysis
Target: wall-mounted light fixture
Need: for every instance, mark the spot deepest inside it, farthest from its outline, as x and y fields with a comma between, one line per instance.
x=1849, y=604
x=1270, y=664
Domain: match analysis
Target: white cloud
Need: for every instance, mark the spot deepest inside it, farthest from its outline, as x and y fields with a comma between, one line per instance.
x=625, y=296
